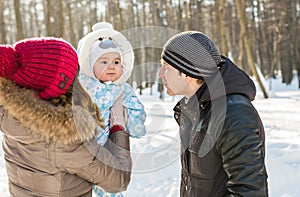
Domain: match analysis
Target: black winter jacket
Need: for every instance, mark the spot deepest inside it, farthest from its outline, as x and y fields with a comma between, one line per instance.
x=222, y=138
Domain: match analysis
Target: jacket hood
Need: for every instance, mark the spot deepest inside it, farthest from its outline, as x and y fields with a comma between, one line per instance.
x=229, y=80
x=68, y=125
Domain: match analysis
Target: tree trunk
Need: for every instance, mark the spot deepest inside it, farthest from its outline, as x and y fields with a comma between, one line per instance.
x=244, y=37
x=286, y=49
x=297, y=46
x=2, y=23
x=20, y=34
x=186, y=24
x=61, y=22
x=36, y=20
x=219, y=9
x=292, y=33
x=72, y=35
x=121, y=19
x=198, y=15
x=228, y=31
x=47, y=8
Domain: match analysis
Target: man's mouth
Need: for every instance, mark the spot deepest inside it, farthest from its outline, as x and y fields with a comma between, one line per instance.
x=165, y=83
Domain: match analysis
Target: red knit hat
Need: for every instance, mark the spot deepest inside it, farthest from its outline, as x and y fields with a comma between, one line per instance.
x=47, y=65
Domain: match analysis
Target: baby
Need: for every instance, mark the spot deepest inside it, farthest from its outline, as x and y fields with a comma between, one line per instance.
x=106, y=60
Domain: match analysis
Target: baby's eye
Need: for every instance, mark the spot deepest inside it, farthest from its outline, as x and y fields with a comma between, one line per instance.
x=103, y=62
x=116, y=62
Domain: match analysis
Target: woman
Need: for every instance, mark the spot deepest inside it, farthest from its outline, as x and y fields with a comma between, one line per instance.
x=50, y=123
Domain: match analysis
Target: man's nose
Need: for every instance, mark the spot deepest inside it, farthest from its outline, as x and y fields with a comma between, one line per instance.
x=161, y=72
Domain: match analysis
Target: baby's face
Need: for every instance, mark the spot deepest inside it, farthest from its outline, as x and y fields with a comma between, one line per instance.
x=108, y=67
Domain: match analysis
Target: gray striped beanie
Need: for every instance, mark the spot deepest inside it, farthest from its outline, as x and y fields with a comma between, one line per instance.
x=192, y=53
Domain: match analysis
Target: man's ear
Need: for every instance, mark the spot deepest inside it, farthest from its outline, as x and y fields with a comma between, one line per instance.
x=194, y=80
x=189, y=79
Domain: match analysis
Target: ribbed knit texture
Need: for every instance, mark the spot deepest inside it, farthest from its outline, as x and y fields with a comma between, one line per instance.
x=47, y=65
x=192, y=53
x=8, y=61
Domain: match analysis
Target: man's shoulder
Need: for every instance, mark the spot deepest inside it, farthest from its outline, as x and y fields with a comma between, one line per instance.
x=240, y=109
x=234, y=99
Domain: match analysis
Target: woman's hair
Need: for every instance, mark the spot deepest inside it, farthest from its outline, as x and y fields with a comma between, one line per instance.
x=82, y=98
x=78, y=95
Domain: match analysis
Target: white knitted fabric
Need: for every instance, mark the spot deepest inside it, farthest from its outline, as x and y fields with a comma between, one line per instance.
x=105, y=30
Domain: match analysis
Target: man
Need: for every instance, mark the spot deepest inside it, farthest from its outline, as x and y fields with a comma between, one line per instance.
x=222, y=136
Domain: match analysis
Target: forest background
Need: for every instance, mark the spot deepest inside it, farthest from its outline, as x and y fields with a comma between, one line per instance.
x=261, y=36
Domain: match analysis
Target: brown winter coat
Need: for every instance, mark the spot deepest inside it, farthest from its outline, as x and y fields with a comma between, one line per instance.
x=47, y=153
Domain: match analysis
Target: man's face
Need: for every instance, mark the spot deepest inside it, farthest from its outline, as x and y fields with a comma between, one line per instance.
x=173, y=80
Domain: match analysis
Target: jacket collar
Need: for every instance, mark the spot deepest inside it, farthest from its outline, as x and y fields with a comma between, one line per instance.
x=68, y=125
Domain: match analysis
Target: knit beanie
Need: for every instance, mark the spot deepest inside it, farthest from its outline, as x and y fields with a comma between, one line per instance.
x=192, y=53
x=104, y=39
x=47, y=65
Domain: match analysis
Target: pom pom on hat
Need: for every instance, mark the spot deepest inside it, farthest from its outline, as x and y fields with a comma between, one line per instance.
x=89, y=49
x=47, y=65
x=8, y=61
x=102, y=25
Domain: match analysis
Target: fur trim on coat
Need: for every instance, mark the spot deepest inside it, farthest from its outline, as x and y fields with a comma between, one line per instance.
x=49, y=122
